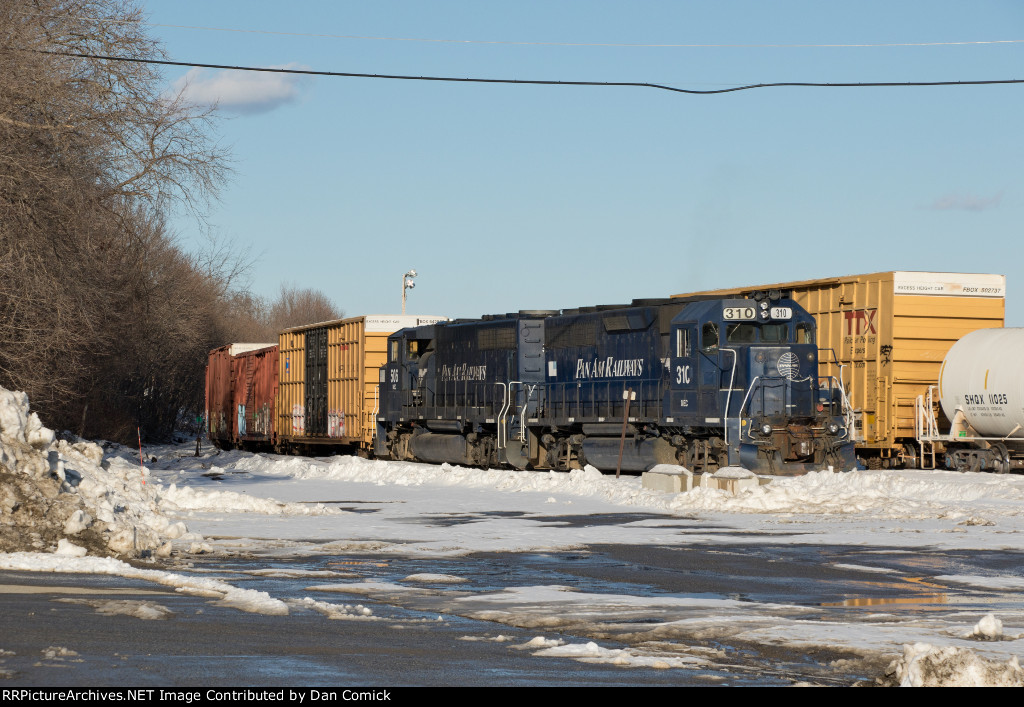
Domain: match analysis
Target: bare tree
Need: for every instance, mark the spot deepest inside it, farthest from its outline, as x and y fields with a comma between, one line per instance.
x=97, y=305
x=296, y=306
x=141, y=143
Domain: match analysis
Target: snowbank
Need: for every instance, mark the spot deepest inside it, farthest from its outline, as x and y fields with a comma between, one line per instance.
x=924, y=665
x=60, y=496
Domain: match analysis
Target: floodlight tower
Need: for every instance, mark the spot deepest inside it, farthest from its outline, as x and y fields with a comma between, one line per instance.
x=407, y=284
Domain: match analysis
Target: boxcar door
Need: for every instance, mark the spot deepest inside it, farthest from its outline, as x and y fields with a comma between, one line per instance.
x=316, y=382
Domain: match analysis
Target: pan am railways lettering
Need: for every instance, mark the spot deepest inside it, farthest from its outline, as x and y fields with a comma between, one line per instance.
x=610, y=368
x=463, y=372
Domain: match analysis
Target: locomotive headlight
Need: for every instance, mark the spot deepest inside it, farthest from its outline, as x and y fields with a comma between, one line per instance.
x=763, y=313
x=832, y=428
x=764, y=305
x=766, y=429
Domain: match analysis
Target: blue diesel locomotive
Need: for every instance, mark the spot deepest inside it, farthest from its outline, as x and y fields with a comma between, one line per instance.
x=704, y=383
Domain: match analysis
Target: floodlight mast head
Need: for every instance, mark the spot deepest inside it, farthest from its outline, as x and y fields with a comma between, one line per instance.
x=407, y=284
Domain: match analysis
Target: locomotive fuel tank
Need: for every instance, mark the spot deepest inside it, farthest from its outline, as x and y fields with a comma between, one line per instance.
x=981, y=383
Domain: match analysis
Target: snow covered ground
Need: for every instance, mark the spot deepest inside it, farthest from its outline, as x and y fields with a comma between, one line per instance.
x=272, y=506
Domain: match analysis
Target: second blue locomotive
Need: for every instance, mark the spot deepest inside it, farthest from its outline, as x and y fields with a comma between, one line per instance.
x=704, y=383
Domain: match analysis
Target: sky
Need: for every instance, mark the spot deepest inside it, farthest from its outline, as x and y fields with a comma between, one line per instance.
x=507, y=197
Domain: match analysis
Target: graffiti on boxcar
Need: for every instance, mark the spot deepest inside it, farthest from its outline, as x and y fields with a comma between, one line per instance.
x=886, y=351
x=335, y=423
x=298, y=419
x=260, y=422
x=218, y=424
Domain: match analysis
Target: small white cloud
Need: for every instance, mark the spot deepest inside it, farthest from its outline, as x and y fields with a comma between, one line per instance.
x=966, y=202
x=244, y=92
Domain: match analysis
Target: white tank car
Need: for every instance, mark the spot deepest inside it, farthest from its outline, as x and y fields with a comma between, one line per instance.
x=983, y=377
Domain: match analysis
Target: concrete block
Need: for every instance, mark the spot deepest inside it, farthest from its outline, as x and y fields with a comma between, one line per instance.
x=667, y=478
x=733, y=479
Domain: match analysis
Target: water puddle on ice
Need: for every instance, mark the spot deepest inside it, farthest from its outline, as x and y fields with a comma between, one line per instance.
x=890, y=601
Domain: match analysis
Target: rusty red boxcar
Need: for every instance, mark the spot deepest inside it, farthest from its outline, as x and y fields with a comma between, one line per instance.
x=255, y=378
x=224, y=394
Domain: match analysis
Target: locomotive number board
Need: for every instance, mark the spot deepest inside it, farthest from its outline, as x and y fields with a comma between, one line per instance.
x=738, y=313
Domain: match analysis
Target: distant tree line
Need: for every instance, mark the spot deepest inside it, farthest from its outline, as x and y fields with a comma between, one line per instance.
x=105, y=321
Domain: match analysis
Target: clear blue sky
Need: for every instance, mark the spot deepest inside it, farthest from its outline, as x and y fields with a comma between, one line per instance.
x=513, y=197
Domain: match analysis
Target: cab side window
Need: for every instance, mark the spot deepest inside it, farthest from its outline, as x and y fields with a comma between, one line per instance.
x=709, y=338
x=682, y=343
x=804, y=334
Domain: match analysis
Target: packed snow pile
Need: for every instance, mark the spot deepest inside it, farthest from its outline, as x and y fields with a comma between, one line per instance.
x=924, y=665
x=57, y=496
x=988, y=629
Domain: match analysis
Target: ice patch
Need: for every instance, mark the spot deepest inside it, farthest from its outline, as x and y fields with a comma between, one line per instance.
x=146, y=610
x=593, y=653
x=243, y=599
x=334, y=611
x=427, y=578
x=295, y=573
x=540, y=642
x=58, y=652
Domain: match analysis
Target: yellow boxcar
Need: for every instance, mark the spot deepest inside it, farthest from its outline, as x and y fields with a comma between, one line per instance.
x=328, y=379
x=889, y=332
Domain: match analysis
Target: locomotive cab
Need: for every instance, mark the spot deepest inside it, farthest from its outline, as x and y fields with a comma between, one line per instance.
x=403, y=377
x=749, y=369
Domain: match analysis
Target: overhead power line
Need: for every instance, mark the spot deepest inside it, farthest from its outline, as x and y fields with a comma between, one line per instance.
x=539, y=82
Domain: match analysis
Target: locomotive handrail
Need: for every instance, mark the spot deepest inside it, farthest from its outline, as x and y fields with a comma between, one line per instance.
x=506, y=404
x=728, y=398
x=376, y=409
x=528, y=391
x=603, y=401
x=472, y=398
x=502, y=433
x=835, y=359
x=743, y=404
x=847, y=406
x=841, y=366
x=747, y=398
